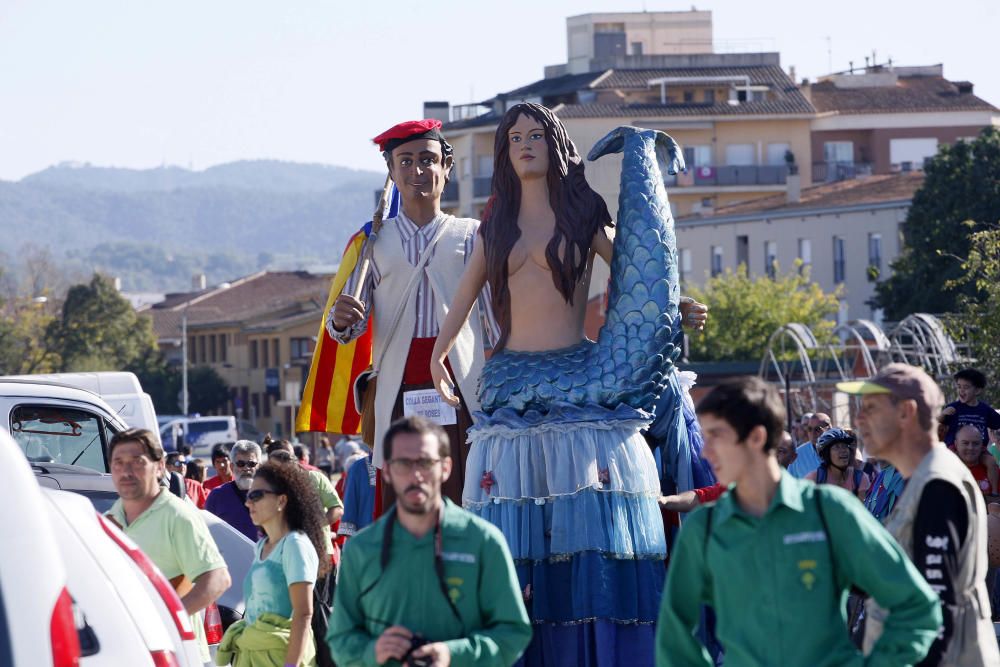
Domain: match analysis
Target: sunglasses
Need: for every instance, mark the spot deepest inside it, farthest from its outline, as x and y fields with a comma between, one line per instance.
x=257, y=494
x=246, y=464
x=820, y=428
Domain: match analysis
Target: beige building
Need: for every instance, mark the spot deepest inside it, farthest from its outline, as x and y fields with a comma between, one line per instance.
x=846, y=233
x=257, y=332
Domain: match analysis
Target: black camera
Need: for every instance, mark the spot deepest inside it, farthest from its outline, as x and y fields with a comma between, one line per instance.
x=416, y=642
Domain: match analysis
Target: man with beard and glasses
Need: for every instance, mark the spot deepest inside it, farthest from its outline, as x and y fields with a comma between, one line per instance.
x=228, y=501
x=429, y=581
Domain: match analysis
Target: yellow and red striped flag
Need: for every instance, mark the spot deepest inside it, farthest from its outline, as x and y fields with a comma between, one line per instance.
x=328, y=398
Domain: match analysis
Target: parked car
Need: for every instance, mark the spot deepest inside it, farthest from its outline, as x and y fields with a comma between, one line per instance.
x=54, y=423
x=39, y=624
x=122, y=391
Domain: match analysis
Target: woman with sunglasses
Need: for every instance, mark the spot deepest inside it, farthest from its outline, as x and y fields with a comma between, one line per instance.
x=275, y=629
x=838, y=466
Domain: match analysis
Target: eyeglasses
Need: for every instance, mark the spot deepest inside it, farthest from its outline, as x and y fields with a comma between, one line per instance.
x=246, y=464
x=819, y=428
x=257, y=494
x=403, y=466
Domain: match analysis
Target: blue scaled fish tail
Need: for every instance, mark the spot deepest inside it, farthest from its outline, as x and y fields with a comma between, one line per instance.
x=641, y=337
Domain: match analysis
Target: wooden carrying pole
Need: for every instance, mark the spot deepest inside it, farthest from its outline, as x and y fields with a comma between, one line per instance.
x=366, y=259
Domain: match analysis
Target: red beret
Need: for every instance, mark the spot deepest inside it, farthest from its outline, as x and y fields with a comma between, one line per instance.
x=408, y=130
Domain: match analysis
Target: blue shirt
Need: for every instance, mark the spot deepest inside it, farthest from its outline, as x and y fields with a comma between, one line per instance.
x=806, y=460
x=981, y=415
x=229, y=504
x=292, y=560
x=359, y=496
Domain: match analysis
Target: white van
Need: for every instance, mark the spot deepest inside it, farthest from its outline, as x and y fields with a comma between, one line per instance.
x=204, y=433
x=120, y=390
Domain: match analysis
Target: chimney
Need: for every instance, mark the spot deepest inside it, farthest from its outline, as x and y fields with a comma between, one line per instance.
x=438, y=110
x=791, y=72
x=199, y=282
x=793, y=185
x=964, y=87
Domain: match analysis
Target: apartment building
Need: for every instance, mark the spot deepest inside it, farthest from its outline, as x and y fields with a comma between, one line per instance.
x=845, y=234
x=882, y=119
x=741, y=119
x=257, y=332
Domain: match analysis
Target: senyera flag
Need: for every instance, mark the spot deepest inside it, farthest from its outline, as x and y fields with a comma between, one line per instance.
x=328, y=398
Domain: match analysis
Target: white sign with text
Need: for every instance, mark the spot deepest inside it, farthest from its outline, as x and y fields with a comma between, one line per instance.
x=427, y=403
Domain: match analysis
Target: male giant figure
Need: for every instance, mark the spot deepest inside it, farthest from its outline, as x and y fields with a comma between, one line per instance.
x=405, y=293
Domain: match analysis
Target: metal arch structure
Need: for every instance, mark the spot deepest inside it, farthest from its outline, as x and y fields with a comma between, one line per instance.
x=807, y=370
x=921, y=340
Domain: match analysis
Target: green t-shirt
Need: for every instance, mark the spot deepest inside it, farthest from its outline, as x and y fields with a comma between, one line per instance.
x=778, y=583
x=328, y=496
x=175, y=537
x=481, y=581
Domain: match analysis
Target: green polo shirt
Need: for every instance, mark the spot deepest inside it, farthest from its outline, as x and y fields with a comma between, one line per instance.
x=778, y=598
x=175, y=537
x=480, y=577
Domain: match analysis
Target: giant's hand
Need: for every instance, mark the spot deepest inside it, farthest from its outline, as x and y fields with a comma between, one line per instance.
x=443, y=382
x=694, y=314
x=347, y=311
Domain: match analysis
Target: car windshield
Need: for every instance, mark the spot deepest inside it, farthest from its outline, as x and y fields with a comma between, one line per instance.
x=52, y=434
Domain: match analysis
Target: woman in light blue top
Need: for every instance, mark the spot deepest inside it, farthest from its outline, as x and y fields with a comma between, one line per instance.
x=283, y=502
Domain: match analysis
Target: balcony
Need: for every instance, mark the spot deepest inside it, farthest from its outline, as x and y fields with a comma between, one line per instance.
x=729, y=176
x=829, y=172
x=482, y=186
x=449, y=196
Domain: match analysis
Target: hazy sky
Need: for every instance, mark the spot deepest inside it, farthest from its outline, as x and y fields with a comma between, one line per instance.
x=139, y=83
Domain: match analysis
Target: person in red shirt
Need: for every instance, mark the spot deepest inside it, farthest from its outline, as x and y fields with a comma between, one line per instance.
x=688, y=500
x=970, y=447
x=194, y=478
x=223, y=467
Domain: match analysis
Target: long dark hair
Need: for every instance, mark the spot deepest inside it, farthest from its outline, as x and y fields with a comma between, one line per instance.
x=579, y=212
x=304, y=510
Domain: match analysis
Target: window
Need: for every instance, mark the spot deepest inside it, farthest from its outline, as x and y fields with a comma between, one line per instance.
x=222, y=347
x=688, y=96
x=739, y=154
x=874, y=256
x=770, y=258
x=697, y=156
x=192, y=349
x=838, y=151
x=211, y=348
x=743, y=251
x=254, y=362
x=254, y=406
x=685, y=264
x=805, y=254
x=716, y=260
x=301, y=348
x=485, y=166
x=636, y=48
x=776, y=154
x=54, y=434
x=202, y=355
x=911, y=153
x=266, y=398
x=276, y=351
x=839, y=258
x=265, y=353
x=709, y=96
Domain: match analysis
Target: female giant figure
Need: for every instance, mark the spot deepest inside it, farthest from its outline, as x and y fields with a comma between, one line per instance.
x=558, y=461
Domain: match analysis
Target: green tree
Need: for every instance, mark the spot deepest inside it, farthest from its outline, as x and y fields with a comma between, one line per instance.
x=207, y=391
x=744, y=311
x=100, y=331
x=960, y=196
x=978, y=319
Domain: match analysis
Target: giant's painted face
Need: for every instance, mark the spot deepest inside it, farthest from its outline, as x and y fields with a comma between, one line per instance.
x=528, y=148
x=419, y=169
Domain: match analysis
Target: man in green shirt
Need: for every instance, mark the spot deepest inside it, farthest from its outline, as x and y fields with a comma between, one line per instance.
x=428, y=580
x=776, y=556
x=169, y=530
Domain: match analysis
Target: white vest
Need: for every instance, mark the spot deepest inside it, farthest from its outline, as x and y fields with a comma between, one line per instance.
x=444, y=271
x=972, y=643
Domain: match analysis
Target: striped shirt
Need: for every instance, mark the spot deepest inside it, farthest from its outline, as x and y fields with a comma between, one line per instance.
x=415, y=240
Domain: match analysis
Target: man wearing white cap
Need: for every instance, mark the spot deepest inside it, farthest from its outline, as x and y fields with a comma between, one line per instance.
x=939, y=520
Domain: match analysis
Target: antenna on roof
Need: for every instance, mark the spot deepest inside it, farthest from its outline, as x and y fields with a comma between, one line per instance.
x=829, y=54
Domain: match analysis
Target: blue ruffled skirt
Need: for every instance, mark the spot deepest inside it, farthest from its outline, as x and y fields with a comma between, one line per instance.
x=574, y=491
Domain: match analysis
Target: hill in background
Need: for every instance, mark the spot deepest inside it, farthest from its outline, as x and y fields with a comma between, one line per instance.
x=155, y=228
